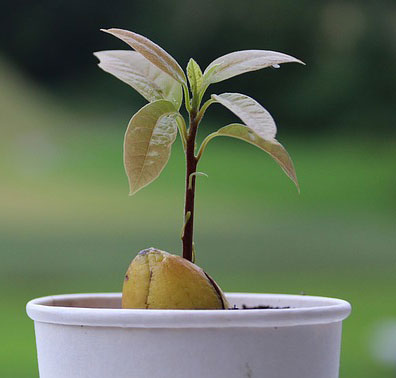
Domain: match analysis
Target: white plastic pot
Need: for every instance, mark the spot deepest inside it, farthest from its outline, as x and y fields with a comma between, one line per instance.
x=90, y=336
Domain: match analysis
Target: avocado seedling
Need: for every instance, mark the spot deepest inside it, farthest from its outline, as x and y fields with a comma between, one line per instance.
x=157, y=279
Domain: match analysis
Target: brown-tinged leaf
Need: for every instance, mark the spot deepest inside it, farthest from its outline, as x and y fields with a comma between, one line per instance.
x=151, y=51
x=272, y=147
x=148, y=141
x=134, y=69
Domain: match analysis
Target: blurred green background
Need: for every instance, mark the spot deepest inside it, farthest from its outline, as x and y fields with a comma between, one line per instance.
x=68, y=225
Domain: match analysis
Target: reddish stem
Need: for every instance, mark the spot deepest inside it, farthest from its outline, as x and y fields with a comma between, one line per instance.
x=191, y=167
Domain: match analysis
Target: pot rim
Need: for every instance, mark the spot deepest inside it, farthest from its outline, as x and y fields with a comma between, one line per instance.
x=304, y=310
x=62, y=309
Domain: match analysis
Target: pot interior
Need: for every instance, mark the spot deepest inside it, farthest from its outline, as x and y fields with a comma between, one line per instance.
x=113, y=301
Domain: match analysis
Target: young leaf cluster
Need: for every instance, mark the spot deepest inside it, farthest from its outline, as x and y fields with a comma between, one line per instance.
x=157, y=76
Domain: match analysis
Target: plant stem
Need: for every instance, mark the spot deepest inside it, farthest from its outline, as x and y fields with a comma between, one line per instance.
x=191, y=167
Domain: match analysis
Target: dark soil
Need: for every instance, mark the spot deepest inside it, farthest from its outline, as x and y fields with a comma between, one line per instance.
x=244, y=307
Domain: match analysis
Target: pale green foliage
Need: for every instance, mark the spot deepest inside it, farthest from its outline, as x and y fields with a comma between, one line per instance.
x=142, y=75
x=250, y=112
x=159, y=78
x=194, y=75
x=207, y=77
x=148, y=140
x=272, y=147
x=210, y=71
x=239, y=62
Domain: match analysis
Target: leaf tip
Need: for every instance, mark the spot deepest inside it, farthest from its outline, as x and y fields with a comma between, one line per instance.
x=112, y=31
x=96, y=54
x=292, y=175
x=297, y=186
x=132, y=191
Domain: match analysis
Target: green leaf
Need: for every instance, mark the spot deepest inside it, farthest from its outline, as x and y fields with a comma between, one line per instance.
x=206, y=79
x=194, y=75
x=250, y=112
x=151, y=51
x=239, y=62
x=134, y=69
x=148, y=141
x=209, y=72
x=272, y=147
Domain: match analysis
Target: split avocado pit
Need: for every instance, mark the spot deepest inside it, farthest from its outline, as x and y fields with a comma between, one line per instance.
x=159, y=280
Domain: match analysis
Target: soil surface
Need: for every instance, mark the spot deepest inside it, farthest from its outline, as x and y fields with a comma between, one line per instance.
x=261, y=307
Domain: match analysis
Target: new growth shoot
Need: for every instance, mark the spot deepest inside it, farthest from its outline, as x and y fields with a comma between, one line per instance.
x=157, y=76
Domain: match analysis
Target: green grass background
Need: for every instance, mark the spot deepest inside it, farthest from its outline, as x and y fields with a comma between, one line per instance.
x=67, y=224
